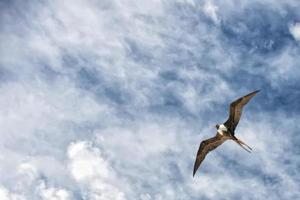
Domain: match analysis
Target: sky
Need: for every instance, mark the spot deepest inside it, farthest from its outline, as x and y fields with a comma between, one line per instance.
x=109, y=100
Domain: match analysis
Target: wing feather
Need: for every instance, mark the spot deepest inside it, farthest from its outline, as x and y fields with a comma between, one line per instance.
x=205, y=147
x=235, y=110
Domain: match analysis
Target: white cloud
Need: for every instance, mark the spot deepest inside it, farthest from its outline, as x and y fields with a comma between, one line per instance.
x=86, y=162
x=144, y=149
x=295, y=30
x=92, y=172
x=28, y=184
x=52, y=193
x=7, y=195
x=145, y=196
x=210, y=9
x=28, y=170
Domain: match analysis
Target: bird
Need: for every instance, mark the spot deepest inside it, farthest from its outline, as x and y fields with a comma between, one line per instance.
x=225, y=131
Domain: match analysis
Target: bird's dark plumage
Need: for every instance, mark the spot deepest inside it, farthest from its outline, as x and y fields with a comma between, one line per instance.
x=235, y=111
x=205, y=147
x=210, y=144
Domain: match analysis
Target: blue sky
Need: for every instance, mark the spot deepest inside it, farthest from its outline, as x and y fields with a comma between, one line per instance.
x=109, y=100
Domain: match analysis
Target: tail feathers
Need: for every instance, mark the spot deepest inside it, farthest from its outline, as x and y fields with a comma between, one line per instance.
x=242, y=144
x=245, y=144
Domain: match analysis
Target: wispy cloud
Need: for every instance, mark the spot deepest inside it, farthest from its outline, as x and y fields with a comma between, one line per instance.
x=109, y=99
x=210, y=9
x=295, y=30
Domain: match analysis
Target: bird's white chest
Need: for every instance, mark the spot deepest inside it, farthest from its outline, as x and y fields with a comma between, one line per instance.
x=222, y=129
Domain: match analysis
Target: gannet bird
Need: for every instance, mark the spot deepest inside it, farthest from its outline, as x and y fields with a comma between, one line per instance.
x=225, y=131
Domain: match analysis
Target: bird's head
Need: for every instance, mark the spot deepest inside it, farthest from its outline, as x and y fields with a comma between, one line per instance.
x=217, y=126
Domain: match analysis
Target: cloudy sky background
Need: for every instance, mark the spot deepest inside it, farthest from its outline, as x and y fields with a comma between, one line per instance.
x=108, y=100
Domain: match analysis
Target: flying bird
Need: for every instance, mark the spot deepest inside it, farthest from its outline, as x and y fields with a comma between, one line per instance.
x=225, y=131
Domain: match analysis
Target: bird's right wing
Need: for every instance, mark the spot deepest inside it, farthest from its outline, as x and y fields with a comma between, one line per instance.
x=205, y=147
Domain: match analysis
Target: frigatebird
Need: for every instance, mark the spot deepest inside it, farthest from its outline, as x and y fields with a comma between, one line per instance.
x=225, y=131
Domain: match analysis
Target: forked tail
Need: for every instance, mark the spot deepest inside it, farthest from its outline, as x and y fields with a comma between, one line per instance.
x=242, y=144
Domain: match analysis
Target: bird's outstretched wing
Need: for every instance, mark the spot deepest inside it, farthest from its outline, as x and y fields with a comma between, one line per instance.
x=205, y=147
x=235, y=111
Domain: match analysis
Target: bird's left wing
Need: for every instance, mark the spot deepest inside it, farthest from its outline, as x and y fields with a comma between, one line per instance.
x=235, y=110
x=205, y=147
